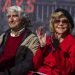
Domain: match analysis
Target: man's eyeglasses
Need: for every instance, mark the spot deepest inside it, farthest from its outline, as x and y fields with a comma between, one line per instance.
x=63, y=21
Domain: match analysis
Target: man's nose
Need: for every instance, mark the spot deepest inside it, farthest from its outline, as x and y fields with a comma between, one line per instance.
x=11, y=18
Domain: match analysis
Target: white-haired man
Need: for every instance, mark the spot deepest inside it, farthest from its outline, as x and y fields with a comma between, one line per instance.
x=18, y=44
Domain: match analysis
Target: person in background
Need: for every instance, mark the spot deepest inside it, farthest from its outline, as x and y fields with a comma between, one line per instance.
x=56, y=54
x=18, y=44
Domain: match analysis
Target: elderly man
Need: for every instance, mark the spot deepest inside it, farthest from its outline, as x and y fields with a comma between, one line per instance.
x=18, y=44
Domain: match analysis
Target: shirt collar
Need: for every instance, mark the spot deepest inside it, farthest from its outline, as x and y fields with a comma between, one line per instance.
x=17, y=33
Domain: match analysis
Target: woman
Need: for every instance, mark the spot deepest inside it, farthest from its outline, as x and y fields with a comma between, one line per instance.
x=56, y=54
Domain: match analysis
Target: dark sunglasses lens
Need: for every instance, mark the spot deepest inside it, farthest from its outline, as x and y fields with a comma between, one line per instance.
x=57, y=21
x=63, y=21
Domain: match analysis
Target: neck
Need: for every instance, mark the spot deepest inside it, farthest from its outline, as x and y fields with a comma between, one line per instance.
x=59, y=37
x=16, y=33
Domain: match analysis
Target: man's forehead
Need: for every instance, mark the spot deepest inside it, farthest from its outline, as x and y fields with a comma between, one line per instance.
x=12, y=13
x=14, y=8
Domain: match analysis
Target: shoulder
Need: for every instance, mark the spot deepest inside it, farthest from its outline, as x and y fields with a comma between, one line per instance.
x=1, y=37
x=71, y=38
x=4, y=35
x=32, y=36
x=30, y=39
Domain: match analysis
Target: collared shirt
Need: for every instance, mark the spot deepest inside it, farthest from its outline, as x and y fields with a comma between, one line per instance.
x=17, y=33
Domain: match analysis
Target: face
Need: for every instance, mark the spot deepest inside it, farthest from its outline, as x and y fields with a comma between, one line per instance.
x=13, y=20
x=61, y=25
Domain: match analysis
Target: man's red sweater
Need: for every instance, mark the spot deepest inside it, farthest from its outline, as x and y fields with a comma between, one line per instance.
x=9, y=51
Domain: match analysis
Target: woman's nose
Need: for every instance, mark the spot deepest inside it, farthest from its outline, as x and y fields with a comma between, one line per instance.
x=60, y=23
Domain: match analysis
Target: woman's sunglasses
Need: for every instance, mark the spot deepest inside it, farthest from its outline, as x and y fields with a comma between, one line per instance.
x=63, y=21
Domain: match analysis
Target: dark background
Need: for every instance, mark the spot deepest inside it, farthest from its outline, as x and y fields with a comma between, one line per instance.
x=38, y=11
